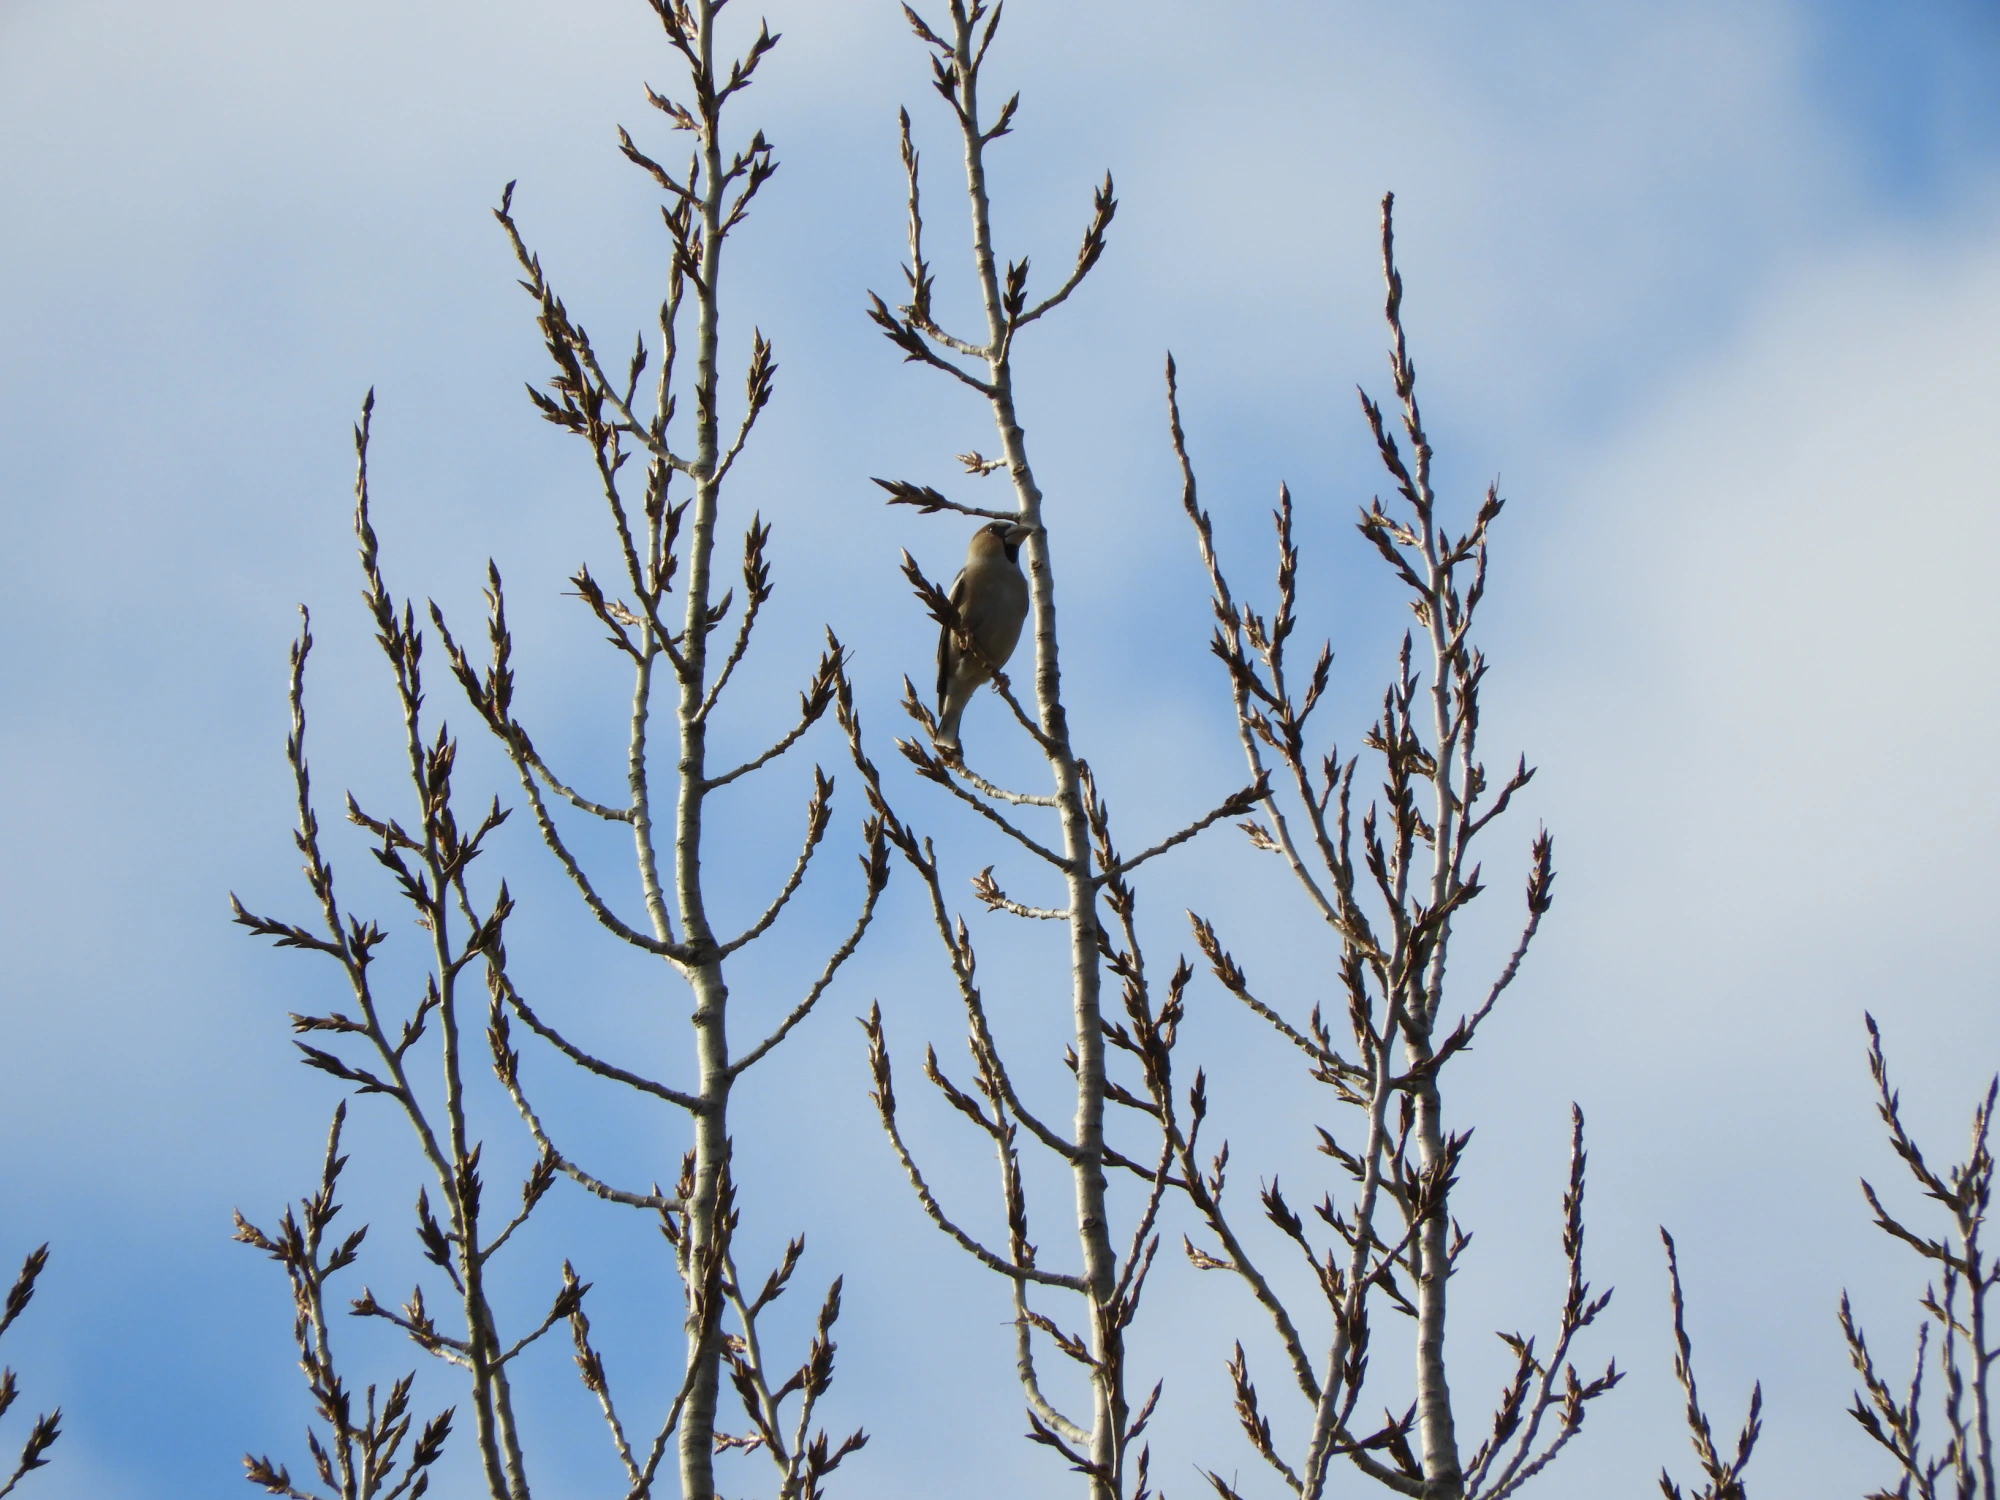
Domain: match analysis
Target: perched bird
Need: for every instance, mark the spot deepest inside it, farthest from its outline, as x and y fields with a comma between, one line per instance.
x=991, y=595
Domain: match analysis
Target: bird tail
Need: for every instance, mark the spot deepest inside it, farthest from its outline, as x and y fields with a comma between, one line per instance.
x=953, y=709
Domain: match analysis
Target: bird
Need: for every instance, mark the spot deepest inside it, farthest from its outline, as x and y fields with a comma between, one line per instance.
x=991, y=596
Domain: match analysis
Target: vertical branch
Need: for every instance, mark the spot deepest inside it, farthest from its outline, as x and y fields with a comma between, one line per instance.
x=956, y=63
x=703, y=1227
x=1399, y=1240
x=1081, y=854
x=664, y=542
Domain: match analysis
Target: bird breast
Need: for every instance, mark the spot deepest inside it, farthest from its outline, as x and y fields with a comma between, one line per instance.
x=999, y=603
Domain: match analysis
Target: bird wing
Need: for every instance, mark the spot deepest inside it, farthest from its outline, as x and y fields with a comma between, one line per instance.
x=947, y=647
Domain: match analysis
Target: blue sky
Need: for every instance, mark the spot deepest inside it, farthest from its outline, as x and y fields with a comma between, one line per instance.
x=1713, y=288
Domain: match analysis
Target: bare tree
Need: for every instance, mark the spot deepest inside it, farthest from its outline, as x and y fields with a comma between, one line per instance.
x=48, y=1426
x=1397, y=1241
x=1389, y=890
x=655, y=532
x=1961, y=1465
x=1098, y=904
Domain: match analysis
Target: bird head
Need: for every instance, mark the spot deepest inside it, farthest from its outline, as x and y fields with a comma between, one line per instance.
x=1007, y=536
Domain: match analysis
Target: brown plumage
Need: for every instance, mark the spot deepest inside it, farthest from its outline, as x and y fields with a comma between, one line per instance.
x=991, y=595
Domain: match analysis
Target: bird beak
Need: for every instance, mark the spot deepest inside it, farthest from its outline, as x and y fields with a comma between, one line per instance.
x=1019, y=533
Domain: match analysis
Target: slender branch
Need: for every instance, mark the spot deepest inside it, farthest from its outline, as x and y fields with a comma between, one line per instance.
x=988, y=890
x=559, y=1313
x=591, y=1366
x=885, y=1104
x=1235, y=806
x=877, y=867
x=503, y=989
x=906, y=336
x=817, y=813
x=506, y=1065
x=1024, y=1369
x=568, y=794
x=756, y=589
x=996, y=819
x=1093, y=247
x=1346, y=918
x=606, y=918
x=813, y=703
x=1725, y=1480
x=980, y=783
x=928, y=502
